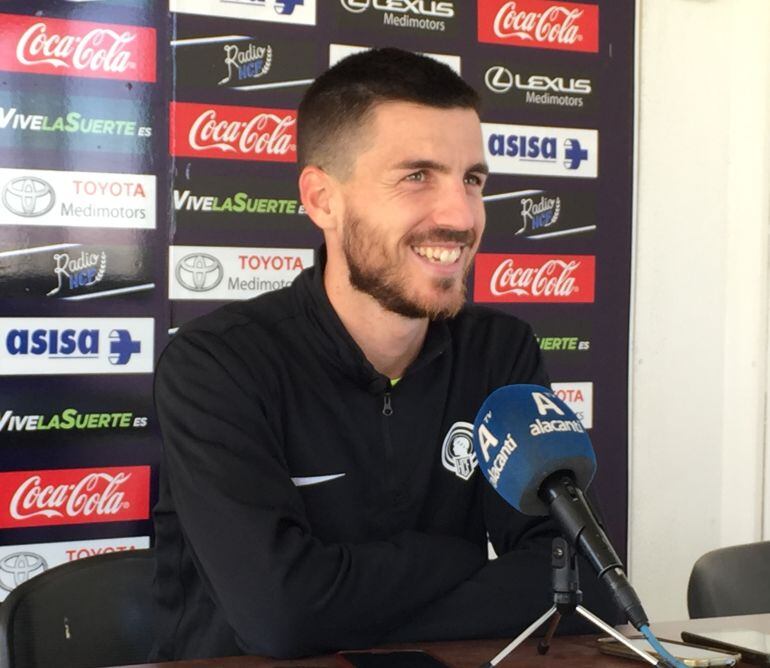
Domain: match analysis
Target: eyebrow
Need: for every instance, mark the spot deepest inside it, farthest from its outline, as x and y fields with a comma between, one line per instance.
x=478, y=168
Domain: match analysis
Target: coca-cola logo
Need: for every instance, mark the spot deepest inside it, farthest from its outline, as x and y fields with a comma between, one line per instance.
x=540, y=23
x=264, y=133
x=59, y=46
x=74, y=496
x=240, y=133
x=96, y=493
x=533, y=278
x=99, y=49
x=551, y=279
x=555, y=24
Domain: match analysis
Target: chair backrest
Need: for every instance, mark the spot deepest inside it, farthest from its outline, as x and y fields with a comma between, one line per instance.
x=88, y=613
x=731, y=581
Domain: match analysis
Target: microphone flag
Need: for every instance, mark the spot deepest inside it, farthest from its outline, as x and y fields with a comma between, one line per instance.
x=522, y=435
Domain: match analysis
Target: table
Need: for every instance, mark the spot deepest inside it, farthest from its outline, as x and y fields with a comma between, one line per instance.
x=572, y=651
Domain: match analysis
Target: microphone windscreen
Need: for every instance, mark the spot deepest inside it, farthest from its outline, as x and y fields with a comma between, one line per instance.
x=523, y=434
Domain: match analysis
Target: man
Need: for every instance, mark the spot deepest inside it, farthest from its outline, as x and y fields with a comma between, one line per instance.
x=317, y=489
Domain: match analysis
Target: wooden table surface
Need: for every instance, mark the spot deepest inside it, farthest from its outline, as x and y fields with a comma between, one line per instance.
x=572, y=651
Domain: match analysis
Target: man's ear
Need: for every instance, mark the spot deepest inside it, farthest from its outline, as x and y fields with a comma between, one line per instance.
x=317, y=190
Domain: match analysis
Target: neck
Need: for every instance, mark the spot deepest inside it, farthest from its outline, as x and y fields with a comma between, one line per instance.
x=389, y=341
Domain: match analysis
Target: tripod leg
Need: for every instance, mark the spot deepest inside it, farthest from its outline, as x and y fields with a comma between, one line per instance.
x=545, y=642
x=600, y=624
x=534, y=626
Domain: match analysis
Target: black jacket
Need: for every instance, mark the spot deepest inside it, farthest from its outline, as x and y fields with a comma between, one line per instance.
x=389, y=542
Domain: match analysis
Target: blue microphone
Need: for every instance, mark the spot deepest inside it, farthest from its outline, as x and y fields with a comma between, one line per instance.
x=535, y=452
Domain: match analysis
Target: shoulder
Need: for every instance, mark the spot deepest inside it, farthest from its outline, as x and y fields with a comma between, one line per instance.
x=498, y=345
x=488, y=325
x=239, y=333
x=260, y=315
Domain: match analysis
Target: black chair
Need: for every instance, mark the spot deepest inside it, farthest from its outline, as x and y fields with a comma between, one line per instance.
x=88, y=613
x=731, y=581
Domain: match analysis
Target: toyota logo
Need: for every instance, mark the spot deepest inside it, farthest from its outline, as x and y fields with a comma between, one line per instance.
x=28, y=196
x=199, y=272
x=355, y=6
x=498, y=79
x=20, y=567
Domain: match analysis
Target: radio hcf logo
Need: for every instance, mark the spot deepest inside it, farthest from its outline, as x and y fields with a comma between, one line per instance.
x=534, y=278
x=43, y=45
x=50, y=346
x=74, y=496
x=540, y=24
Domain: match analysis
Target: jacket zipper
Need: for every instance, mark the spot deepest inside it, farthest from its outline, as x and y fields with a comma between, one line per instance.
x=387, y=470
x=387, y=408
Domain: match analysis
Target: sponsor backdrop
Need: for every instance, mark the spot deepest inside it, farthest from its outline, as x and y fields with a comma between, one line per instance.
x=148, y=175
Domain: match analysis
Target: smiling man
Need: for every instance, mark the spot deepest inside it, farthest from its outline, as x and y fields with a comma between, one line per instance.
x=318, y=488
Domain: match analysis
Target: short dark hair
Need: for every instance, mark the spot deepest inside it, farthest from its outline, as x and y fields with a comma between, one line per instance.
x=340, y=100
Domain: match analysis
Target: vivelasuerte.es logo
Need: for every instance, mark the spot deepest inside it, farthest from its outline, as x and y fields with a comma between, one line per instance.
x=563, y=343
x=240, y=202
x=77, y=199
x=52, y=346
x=541, y=151
x=70, y=419
x=415, y=14
x=228, y=273
x=73, y=122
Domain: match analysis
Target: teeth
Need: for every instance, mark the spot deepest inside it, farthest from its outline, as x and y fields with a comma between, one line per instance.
x=438, y=255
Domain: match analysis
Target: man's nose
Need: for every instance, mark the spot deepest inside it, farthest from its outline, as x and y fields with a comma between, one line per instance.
x=455, y=207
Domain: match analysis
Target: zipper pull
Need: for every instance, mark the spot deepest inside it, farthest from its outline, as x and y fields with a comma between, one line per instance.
x=387, y=409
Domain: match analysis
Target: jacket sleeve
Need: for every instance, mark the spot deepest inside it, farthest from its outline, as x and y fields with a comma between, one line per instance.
x=509, y=592
x=283, y=591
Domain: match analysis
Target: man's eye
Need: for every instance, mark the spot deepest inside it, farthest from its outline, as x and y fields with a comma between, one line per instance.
x=474, y=180
x=416, y=176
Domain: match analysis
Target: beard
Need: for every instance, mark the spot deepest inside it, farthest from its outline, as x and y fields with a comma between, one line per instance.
x=374, y=273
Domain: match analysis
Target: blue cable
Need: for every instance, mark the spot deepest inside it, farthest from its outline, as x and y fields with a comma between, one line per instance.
x=661, y=651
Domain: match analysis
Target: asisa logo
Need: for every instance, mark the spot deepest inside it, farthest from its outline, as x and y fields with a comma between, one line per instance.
x=43, y=346
x=543, y=151
x=300, y=12
x=284, y=7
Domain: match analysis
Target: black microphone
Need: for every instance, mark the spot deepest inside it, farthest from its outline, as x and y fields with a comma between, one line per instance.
x=534, y=451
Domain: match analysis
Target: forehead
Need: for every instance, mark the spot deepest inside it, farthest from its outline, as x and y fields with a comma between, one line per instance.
x=397, y=130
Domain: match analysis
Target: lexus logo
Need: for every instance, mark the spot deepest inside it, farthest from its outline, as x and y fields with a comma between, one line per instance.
x=20, y=567
x=498, y=79
x=355, y=6
x=28, y=196
x=199, y=272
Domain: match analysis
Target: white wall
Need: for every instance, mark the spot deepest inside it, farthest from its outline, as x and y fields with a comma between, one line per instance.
x=700, y=316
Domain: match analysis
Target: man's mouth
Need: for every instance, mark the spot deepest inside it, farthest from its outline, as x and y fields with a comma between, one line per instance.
x=439, y=254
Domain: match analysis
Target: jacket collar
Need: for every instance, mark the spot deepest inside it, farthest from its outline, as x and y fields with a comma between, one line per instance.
x=327, y=333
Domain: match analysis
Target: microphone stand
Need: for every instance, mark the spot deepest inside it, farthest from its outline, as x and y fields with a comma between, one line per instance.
x=567, y=598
